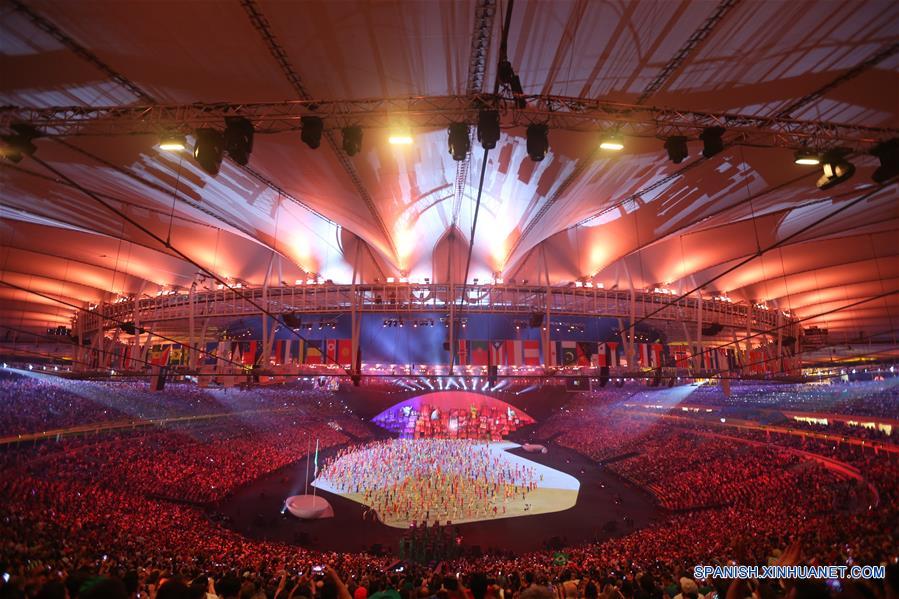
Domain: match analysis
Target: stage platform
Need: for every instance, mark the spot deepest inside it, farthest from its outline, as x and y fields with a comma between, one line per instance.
x=556, y=491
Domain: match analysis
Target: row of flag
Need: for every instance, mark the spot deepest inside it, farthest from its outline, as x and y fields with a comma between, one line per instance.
x=514, y=352
x=509, y=352
x=758, y=361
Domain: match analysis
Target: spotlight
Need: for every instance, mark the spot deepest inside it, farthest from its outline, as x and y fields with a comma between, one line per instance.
x=711, y=141
x=538, y=141
x=311, y=133
x=612, y=142
x=400, y=138
x=806, y=158
x=488, y=128
x=19, y=144
x=459, y=143
x=352, y=140
x=208, y=149
x=836, y=169
x=172, y=142
x=677, y=148
x=238, y=139
x=888, y=153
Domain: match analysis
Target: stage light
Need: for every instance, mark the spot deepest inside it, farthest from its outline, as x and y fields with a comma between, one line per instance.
x=488, y=128
x=537, y=141
x=711, y=141
x=172, y=142
x=400, y=138
x=311, y=134
x=208, y=149
x=888, y=154
x=238, y=139
x=806, y=158
x=836, y=169
x=612, y=142
x=19, y=144
x=677, y=148
x=352, y=140
x=459, y=143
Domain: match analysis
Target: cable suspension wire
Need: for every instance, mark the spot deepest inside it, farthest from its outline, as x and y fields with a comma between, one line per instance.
x=262, y=26
x=874, y=189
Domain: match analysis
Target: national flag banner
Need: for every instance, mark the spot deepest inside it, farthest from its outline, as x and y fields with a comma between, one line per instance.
x=515, y=352
x=331, y=351
x=176, y=354
x=210, y=357
x=464, y=357
x=126, y=357
x=681, y=358
x=568, y=353
x=707, y=358
x=116, y=357
x=480, y=353
x=553, y=359
x=164, y=358
x=586, y=353
x=313, y=352
x=643, y=355
x=722, y=359
x=602, y=355
x=531, y=351
x=224, y=352
x=278, y=351
x=345, y=352
x=614, y=360
x=498, y=353
x=155, y=355
x=248, y=352
x=731, y=360
x=655, y=356
x=300, y=350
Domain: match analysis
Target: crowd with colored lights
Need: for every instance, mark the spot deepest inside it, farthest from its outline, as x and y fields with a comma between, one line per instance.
x=424, y=481
x=93, y=516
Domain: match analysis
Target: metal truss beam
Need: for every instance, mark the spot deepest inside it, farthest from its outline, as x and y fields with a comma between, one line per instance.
x=691, y=44
x=433, y=112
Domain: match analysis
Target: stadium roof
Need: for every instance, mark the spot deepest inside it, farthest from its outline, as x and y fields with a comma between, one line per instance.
x=747, y=221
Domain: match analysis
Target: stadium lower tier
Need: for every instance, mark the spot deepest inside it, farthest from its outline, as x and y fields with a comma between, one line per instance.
x=203, y=496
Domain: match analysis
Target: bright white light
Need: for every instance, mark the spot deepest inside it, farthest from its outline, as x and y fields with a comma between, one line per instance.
x=172, y=143
x=613, y=142
x=400, y=139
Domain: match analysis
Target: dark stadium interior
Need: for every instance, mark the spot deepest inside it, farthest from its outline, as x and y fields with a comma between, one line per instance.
x=449, y=299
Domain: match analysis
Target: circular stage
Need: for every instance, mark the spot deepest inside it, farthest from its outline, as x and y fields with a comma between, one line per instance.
x=309, y=507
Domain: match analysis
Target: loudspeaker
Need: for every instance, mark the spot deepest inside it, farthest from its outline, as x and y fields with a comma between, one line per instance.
x=603, y=376
x=292, y=320
x=536, y=319
x=712, y=329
